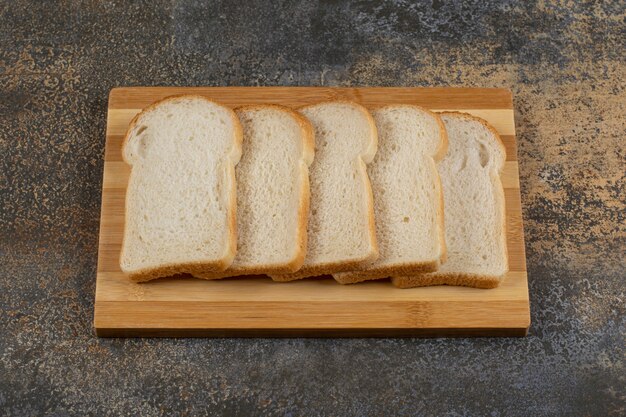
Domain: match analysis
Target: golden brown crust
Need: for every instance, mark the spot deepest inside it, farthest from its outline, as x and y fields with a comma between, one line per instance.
x=443, y=150
x=175, y=269
x=303, y=220
x=332, y=267
x=462, y=279
x=308, y=149
x=323, y=269
x=354, y=277
x=232, y=218
x=368, y=187
x=371, y=223
x=261, y=269
x=189, y=267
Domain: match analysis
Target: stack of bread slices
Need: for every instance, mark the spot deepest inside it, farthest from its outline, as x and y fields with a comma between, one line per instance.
x=327, y=189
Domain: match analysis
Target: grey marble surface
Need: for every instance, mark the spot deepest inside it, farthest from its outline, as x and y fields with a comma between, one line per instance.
x=565, y=64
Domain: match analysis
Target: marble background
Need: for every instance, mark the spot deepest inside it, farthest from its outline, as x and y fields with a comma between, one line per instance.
x=564, y=62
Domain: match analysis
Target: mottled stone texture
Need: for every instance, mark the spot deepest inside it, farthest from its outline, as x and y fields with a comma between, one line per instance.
x=565, y=64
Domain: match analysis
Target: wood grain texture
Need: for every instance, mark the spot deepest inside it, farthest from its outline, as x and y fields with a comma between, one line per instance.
x=256, y=306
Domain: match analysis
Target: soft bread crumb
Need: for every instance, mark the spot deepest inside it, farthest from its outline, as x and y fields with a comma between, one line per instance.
x=475, y=226
x=180, y=200
x=407, y=193
x=341, y=230
x=272, y=192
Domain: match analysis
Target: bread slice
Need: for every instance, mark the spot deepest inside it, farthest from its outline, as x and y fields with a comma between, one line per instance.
x=474, y=207
x=272, y=192
x=180, y=200
x=407, y=193
x=341, y=229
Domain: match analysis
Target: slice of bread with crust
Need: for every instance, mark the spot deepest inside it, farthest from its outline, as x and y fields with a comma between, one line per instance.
x=407, y=194
x=272, y=192
x=341, y=230
x=474, y=207
x=181, y=198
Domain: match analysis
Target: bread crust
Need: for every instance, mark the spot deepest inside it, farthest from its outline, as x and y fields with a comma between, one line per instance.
x=353, y=277
x=325, y=268
x=222, y=263
x=366, y=157
x=458, y=278
x=308, y=152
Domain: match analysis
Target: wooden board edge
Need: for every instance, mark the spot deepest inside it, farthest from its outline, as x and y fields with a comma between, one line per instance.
x=316, y=333
x=257, y=322
x=502, y=96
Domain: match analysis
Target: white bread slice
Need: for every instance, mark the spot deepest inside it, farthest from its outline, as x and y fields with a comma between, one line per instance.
x=474, y=208
x=181, y=199
x=407, y=193
x=272, y=192
x=341, y=229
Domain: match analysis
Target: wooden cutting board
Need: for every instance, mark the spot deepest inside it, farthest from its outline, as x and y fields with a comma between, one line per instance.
x=256, y=306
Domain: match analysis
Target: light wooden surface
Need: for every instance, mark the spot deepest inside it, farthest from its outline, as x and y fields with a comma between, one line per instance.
x=256, y=306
